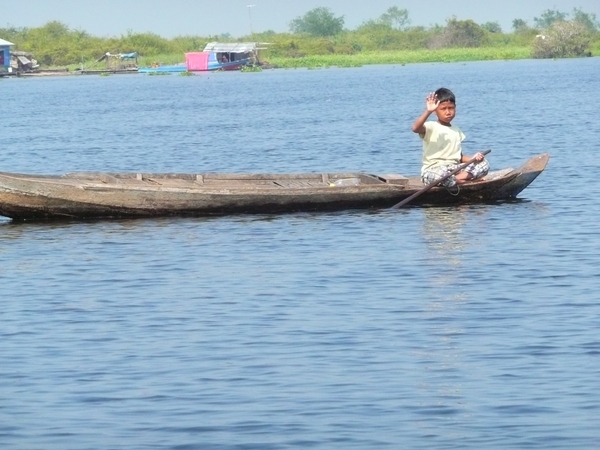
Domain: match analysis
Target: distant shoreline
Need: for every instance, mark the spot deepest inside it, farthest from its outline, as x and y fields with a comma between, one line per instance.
x=451, y=55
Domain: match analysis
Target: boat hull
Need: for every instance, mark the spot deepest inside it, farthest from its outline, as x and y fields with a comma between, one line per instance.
x=129, y=195
x=177, y=68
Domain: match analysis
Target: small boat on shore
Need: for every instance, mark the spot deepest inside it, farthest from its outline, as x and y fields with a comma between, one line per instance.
x=82, y=196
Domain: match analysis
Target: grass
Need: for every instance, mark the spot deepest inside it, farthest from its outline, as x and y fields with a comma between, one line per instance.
x=251, y=69
x=404, y=57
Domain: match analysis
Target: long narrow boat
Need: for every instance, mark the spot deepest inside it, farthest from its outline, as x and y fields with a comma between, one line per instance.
x=122, y=195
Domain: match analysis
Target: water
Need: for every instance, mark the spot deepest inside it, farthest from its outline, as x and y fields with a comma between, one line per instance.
x=436, y=328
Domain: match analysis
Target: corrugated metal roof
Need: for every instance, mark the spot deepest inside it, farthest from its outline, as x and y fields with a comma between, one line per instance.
x=235, y=47
x=3, y=42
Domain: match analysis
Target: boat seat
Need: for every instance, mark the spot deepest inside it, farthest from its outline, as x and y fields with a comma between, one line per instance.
x=299, y=183
x=396, y=179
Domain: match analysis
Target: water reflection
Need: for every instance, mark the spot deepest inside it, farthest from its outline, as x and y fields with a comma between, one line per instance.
x=441, y=355
x=442, y=232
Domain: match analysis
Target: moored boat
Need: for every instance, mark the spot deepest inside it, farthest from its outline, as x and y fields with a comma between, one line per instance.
x=223, y=56
x=128, y=195
x=215, y=56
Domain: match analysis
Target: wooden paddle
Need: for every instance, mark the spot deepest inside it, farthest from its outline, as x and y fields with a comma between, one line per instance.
x=435, y=183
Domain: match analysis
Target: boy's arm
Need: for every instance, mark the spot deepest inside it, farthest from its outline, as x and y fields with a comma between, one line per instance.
x=419, y=125
x=431, y=104
x=478, y=157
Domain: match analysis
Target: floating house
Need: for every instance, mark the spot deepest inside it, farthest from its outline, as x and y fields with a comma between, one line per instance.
x=216, y=56
x=223, y=56
x=5, y=67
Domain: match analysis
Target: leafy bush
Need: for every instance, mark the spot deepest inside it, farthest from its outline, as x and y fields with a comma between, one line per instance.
x=144, y=43
x=562, y=40
x=459, y=33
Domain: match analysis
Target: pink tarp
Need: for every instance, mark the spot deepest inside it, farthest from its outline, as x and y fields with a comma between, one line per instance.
x=197, y=61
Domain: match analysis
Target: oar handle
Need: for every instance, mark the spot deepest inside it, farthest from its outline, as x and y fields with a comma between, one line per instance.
x=435, y=183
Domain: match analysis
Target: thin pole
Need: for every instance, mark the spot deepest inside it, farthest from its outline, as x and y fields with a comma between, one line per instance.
x=250, y=17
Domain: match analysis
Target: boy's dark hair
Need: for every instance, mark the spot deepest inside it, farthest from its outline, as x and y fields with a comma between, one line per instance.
x=445, y=95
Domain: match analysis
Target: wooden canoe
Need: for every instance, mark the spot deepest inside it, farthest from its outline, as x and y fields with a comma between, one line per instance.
x=123, y=195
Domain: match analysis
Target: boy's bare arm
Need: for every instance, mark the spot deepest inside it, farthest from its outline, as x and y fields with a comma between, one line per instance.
x=478, y=157
x=431, y=104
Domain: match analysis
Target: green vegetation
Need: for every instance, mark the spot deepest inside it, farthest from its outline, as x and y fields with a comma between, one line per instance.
x=318, y=22
x=251, y=69
x=319, y=39
x=403, y=57
x=562, y=40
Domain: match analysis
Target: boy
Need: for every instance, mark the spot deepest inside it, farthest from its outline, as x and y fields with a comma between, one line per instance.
x=442, y=151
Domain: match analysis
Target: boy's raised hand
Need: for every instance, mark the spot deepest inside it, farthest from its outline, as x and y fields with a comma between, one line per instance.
x=431, y=102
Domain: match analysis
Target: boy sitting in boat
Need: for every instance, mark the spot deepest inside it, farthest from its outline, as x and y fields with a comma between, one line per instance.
x=442, y=150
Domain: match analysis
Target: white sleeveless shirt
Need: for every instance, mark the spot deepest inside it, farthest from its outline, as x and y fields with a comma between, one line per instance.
x=441, y=145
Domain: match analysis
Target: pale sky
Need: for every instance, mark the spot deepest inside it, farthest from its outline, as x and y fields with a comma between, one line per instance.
x=170, y=18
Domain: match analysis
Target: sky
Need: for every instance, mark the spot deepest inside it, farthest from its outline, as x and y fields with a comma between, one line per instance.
x=170, y=18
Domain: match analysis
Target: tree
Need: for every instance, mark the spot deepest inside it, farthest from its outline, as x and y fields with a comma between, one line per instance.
x=492, y=27
x=395, y=18
x=15, y=35
x=318, y=22
x=459, y=33
x=587, y=20
x=519, y=25
x=55, y=30
x=144, y=44
x=548, y=17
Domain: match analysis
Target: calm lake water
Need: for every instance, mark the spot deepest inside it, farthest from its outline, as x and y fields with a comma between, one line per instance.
x=424, y=328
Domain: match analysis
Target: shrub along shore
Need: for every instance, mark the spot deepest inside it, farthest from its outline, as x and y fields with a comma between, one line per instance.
x=447, y=55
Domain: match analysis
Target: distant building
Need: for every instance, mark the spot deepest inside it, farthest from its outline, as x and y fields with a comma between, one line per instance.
x=5, y=57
